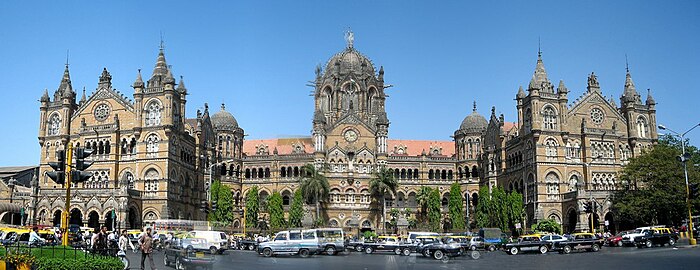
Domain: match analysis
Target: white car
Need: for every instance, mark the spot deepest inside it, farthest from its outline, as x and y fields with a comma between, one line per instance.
x=218, y=241
x=553, y=238
x=628, y=239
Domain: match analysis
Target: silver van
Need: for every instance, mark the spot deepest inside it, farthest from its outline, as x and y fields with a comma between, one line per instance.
x=331, y=239
x=294, y=242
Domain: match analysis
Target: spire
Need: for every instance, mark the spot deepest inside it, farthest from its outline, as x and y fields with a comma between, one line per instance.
x=181, y=87
x=139, y=81
x=66, y=88
x=161, y=67
x=521, y=93
x=83, y=98
x=562, y=88
x=45, y=96
x=630, y=93
x=474, y=110
x=105, y=79
x=650, y=99
x=539, y=78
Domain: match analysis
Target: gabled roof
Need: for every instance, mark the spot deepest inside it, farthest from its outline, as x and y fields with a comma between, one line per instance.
x=283, y=145
x=416, y=147
x=105, y=93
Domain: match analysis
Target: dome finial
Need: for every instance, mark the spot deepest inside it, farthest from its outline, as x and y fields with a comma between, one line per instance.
x=474, y=110
x=223, y=106
x=349, y=38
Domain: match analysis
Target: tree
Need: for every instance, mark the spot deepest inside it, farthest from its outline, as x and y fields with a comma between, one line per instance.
x=380, y=185
x=651, y=187
x=314, y=187
x=276, y=211
x=394, y=214
x=499, y=209
x=214, y=191
x=423, y=197
x=455, y=207
x=547, y=225
x=251, y=207
x=223, y=196
x=434, y=210
x=296, y=211
x=515, y=209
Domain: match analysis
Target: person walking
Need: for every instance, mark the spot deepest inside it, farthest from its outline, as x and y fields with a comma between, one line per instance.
x=125, y=243
x=146, y=242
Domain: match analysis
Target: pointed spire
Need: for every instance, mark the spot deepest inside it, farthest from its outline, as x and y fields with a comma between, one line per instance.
x=181, y=86
x=630, y=93
x=66, y=87
x=650, y=99
x=562, y=88
x=381, y=73
x=521, y=93
x=539, y=78
x=105, y=79
x=139, y=81
x=45, y=96
x=83, y=98
x=161, y=67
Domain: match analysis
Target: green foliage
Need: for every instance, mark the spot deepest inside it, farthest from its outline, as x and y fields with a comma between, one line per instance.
x=547, y=225
x=276, y=211
x=394, y=214
x=296, y=211
x=252, y=207
x=314, y=187
x=651, y=187
x=434, y=210
x=455, y=207
x=369, y=235
x=499, y=209
x=382, y=183
x=80, y=263
x=423, y=197
x=223, y=196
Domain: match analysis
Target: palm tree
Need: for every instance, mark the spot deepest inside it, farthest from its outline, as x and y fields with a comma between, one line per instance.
x=314, y=187
x=423, y=197
x=382, y=183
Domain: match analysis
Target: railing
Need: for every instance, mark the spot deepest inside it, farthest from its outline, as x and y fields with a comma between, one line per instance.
x=52, y=250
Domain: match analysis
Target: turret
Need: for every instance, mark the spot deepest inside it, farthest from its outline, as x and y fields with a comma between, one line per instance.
x=138, y=98
x=105, y=79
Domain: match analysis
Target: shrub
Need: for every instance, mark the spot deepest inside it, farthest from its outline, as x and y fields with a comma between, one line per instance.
x=89, y=263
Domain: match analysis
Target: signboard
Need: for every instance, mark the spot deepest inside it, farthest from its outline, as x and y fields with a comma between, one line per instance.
x=517, y=225
x=607, y=223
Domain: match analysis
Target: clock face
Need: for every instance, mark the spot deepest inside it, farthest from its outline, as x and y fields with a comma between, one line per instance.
x=350, y=135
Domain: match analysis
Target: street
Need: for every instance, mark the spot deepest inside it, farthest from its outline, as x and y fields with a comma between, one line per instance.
x=607, y=258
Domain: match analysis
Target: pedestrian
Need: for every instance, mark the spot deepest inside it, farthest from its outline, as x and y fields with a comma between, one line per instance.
x=34, y=238
x=125, y=243
x=146, y=243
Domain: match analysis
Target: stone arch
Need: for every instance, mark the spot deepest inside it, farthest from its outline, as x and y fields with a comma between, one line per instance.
x=571, y=220
x=334, y=223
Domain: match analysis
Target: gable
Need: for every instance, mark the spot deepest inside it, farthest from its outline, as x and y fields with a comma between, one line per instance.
x=596, y=110
x=117, y=102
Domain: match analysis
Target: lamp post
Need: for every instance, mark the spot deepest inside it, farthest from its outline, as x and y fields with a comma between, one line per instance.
x=685, y=171
x=590, y=190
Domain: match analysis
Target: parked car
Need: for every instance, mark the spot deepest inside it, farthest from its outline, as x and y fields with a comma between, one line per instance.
x=553, y=238
x=656, y=236
x=217, y=240
x=531, y=242
x=302, y=243
x=446, y=248
x=412, y=235
x=420, y=244
x=182, y=255
x=383, y=243
x=477, y=243
x=332, y=240
x=628, y=239
x=616, y=240
x=579, y=241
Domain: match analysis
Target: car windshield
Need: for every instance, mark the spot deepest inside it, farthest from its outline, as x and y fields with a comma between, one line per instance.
x=638, y=231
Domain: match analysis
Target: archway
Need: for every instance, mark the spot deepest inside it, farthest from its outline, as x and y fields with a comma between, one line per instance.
x=596, y=221
x=109, y=220
x=610, y=220
x=76, y=217
x=572, y=221
x=133, y=218
x=93, y=220
x=57, y=218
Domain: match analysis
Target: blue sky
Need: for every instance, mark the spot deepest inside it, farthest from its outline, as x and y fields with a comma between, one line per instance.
x=257, y=56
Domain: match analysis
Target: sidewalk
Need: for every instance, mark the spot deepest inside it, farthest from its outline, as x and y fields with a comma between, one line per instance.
x=684, y=243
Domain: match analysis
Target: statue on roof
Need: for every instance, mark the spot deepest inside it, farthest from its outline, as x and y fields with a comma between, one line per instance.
x=349, y=38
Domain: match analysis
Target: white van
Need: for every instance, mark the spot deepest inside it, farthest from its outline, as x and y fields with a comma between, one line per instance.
x=217, y=240
x=412, y=235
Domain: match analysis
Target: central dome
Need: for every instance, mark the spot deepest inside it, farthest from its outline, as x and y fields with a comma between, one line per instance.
x=350, y=61
x=224, y=120
x=474, y=122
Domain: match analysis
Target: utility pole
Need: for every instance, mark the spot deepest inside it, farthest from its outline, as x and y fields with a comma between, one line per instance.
x=65, y=214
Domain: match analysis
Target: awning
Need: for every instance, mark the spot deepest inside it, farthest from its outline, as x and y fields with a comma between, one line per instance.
x=10, y=207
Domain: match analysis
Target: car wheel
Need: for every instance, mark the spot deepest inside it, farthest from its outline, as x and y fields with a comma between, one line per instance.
x=472, y=248
x=619, y=244
x=251, y=247
x=492, y=248
x=406, y=252
x=426, y=253
x=671, y=242
x=369, y=250
x=330, y=250
x=648, y=244
x=178, y=264
x=397, y=251
x=165, y=260
x=304, y=253
x=567, y=249
x=595, y=248
x=212, y=250
x=514, y=251
x=267, y=252
x=543, y=249
x=475, y=255
x=358, y=248
x=438, y=255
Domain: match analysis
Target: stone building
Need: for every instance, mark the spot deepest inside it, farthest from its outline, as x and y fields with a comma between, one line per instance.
x=561, y=155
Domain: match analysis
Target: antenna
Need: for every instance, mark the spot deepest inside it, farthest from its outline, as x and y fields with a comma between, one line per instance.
x=162, y=43
x=539, y=47
x=67, y=56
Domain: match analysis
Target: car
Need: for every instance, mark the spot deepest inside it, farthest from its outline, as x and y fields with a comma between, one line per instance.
x=464, y=241
x=553, y=238
x=218, y=240
x=384, y=243
x=628, y=239
x=493, y=238
x=616, y=240
x=332, y=240
x=477, y=243
x=656, y=236
x=182, y=255
x=420, y=243
x=294, y=242
x=579, y=241
x=531, y=242
x=412, y=235
x=355, y=245
x=446, y=248
x=191, y=243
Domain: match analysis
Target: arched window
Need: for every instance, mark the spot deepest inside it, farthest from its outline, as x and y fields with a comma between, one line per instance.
x=527, y=119
x=151, y=179
x=549, y=117
x=552, y=182
x=129, y=179
x=573, y=181
x=475, y=171
x=642, y=128
x=153, y=111
x=152, y=145
x=550, y=146
x=285, y=200
x=54, y=125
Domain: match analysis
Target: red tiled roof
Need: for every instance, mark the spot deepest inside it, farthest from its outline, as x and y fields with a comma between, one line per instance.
x=283, y=145
x=507, y=126
x=416, y=147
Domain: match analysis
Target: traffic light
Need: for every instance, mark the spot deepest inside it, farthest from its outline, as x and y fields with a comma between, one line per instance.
x=587, y=206
x=694, y=191
x=684, y=158
x=204, y=207
x=59, y=167
x=79, y=173
x=595, y=207
x=213, y=206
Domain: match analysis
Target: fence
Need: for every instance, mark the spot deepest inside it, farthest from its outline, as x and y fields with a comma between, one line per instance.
x=60, y=252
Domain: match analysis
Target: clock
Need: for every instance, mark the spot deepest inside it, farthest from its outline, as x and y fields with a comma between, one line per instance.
x=350, y=135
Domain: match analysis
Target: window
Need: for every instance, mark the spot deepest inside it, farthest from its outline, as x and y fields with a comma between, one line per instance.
x=129, y=178
x=152, y=145
x=54, y=125
x=153, y=111
x=281, y=237
x=549, y=117
x=309, y=235
x=151, y=182
x=597, y=116
x=573, y=181
x=552, y=182
x=642, y=127
x=294, y=235
x=551, y=149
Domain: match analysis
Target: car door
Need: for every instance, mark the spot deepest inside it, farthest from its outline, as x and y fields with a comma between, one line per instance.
x=280, y=243
x=294, y=241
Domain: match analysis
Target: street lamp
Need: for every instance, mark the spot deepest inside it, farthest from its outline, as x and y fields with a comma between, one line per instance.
x=685, y=171
x=590, y=189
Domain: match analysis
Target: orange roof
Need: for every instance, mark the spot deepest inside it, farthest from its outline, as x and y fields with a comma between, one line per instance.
x=416, y=147
x=507, y=126
x=283, y=145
